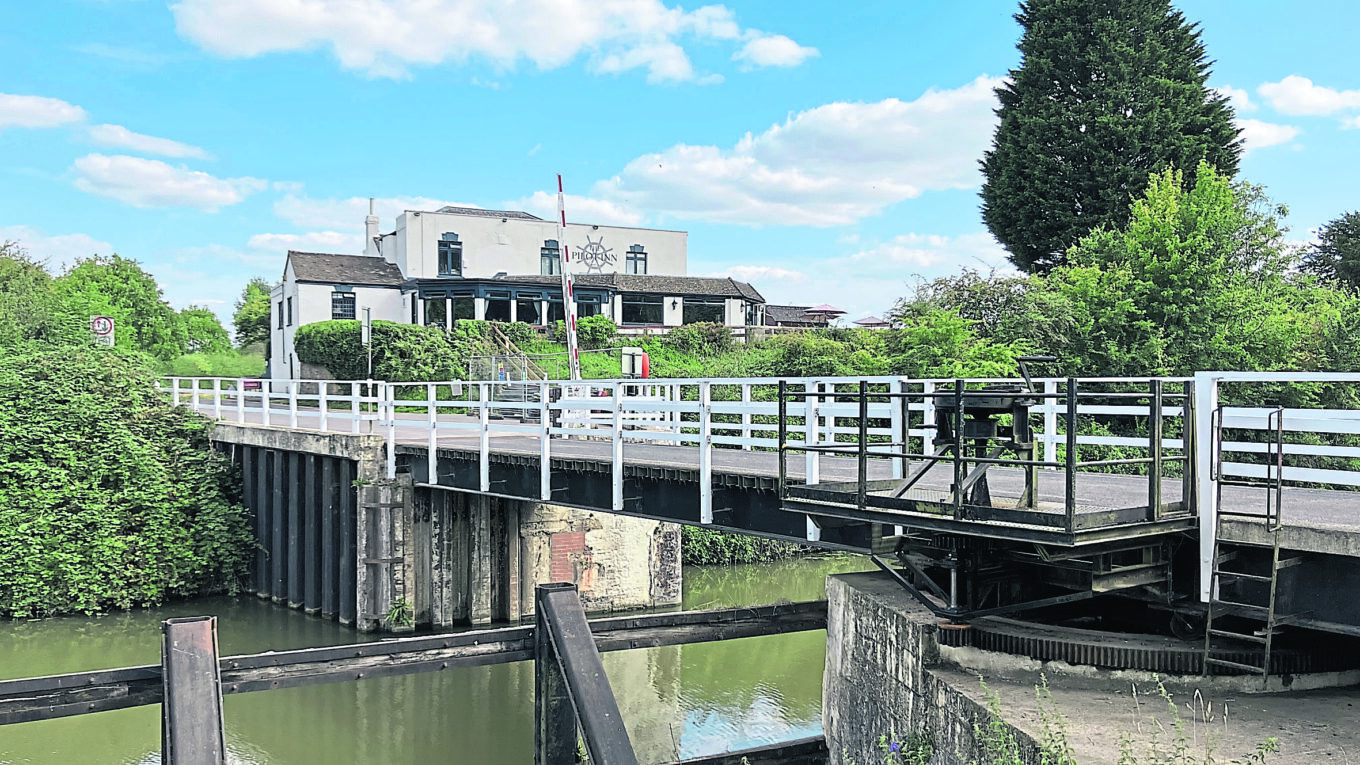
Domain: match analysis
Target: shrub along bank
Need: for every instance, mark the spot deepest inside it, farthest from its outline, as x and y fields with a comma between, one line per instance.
x=109, y=496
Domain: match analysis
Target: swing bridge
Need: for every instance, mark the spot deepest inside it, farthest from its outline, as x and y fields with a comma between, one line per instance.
x=1216, y=504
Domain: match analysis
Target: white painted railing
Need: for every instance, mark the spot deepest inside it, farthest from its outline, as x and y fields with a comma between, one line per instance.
x=742, y=413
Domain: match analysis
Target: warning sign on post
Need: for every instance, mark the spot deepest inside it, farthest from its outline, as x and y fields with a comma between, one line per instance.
x=102, y=328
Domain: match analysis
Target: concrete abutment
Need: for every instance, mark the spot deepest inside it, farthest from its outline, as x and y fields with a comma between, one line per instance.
x=336, y=538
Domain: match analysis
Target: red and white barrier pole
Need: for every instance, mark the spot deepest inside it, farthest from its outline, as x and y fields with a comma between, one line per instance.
x=568, y=286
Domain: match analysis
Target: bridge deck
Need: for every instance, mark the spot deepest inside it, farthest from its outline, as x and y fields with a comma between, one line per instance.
x=1316, y=520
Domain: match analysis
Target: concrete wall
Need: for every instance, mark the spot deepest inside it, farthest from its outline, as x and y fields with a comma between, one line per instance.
x=479, y=558
x=491, y=246
x=880, y=647
x=616, y=562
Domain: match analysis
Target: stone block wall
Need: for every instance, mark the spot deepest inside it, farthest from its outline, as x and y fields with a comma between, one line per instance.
x=880, y=647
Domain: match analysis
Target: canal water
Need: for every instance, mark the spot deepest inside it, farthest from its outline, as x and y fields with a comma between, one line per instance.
x=677, y=702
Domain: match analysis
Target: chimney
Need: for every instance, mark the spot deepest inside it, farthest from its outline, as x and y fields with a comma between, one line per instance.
x=371, y=232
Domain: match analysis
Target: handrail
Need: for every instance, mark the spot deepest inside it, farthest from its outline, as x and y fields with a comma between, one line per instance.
x=821, y=420
x=511, y=348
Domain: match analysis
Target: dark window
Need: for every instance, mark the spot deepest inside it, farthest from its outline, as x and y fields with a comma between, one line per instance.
x=435, y=313
x=703, y=309
x=450, y=255
x=643, y=309
x=342, y=305
x=555, y=311
x=415, y=309
x=550, y=258
x=290, y=312
x=498, y=306
x=464, y=308
x=637, y=260
x=752, y=314
x=588, y=309
x=526, y=310
x=280, y=314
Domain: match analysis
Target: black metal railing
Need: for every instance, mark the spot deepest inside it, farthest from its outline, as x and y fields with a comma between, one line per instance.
x=970, y=449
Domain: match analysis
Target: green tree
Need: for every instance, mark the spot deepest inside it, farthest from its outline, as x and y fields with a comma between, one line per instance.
x=1335, y=256
x=118, y=287
x=942, y=344
x=1196, y=280
x=1107, y=91
x=30, y=309
x=251, y=319
x=203, y=331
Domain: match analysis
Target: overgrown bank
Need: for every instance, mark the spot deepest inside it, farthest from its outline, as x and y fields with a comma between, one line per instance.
x=109, y=496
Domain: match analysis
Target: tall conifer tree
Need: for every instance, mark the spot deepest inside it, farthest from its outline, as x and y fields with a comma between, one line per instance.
x=1107, y=92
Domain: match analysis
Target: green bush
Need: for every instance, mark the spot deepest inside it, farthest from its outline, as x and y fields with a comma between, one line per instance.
x=401, y=352
x=109, y=496
x=701, y=547
x=702, y=339
x=592, y=332
x=517, y=332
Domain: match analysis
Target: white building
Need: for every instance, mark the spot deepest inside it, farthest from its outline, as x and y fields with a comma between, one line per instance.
x=467, y=263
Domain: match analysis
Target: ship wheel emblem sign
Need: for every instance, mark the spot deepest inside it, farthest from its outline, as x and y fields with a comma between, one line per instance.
x=595, y=256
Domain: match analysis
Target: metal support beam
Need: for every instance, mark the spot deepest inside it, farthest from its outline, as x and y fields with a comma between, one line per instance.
x=191, y=718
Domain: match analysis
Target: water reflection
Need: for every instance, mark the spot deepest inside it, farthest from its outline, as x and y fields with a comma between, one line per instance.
x=677, y=701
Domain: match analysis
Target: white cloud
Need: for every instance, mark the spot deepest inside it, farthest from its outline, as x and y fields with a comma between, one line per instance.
x=342, y=214
x=1351, y=123
x=56, y=252
x=929, y=250
x=761, y=274
x=1241, y=99
x=579, y=209
x=314, y=241
x=1259, y=135
x=152, y=183
x=37, y=112
x=120, y=137
x=386, y=37
x=774, y=50
x=830, y=165
x=665, y=62
x=1298, y=95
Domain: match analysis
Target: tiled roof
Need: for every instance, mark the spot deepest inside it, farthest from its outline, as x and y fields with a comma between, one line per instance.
x=481, y=213
x=329, y=268
x=666, y=285
x=790, y=314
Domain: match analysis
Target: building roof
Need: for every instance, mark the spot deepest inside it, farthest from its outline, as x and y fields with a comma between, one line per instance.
x=654, y=283
x=330, y=268
x=483, y=213
x=790, y=314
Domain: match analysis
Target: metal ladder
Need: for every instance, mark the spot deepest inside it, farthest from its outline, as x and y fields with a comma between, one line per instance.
x=1224, y=578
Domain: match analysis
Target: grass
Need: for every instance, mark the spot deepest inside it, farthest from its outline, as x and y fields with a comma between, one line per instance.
x=1187, y=745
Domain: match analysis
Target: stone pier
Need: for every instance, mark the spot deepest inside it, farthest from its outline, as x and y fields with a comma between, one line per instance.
x=337, y=538
x=486, y=555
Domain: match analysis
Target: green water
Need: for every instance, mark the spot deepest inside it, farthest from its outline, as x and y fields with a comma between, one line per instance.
x=677, y=702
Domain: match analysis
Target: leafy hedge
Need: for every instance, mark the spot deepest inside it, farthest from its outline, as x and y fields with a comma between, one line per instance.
x=592, y=332
x=401, y=352
x=109, y=496
x=702, y=547
x=701, y=339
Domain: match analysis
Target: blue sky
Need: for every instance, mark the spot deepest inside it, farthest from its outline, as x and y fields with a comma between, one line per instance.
x=824, y=153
